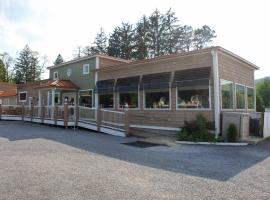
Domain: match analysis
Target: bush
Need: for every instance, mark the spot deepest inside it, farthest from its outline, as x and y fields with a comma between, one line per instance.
x=232, y=133
x=197, y=131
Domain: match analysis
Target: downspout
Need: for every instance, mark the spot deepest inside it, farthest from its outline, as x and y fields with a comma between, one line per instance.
x=96, y=79
x=216, y=92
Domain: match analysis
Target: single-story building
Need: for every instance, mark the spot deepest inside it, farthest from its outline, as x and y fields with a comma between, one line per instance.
x=164, y=92
x=160, y=93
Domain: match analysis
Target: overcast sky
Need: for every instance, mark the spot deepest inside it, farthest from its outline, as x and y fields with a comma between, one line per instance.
x=54, y=26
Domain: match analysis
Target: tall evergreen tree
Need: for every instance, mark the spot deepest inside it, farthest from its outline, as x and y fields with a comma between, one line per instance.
x=121, y=42
x=114, y=48
x=27, y=67
x=3, y=72
x=184, y=35
x=141, y=39
x=7, y=61
x=156, y=33
x=100, y=44
x=202, y=37
x=58, y=60
x=170, y=35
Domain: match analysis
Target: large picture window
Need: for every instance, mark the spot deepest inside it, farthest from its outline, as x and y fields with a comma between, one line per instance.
x=227, y=94
x=196, y=97
x=157, y=99
x=250, y=98
x=240, y=96
x=86, y=98
x=106, y=101
x=128, y=100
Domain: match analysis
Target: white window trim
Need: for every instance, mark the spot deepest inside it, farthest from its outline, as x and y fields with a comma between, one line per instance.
x=88, y=69
x=240, y=109
x=113, y=100
x=253, y=98
x=234, y=104
x=69, y=70
x=48, y=97
x=159, y=109
x=92, y=91
x=25, y=97
x=118, y=101
x=56, y=72
x=194, y=109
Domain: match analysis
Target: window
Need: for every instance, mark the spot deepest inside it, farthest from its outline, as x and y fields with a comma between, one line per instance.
x=56, y=98
x=106, y=100
x=86, y=98
x=240, y=96
x=227, y=94
x=196, y=97
x=250, y=98
x=157, y=99
x=22, y=96
x=128, y=100
x=69, y=72
x=55, y=75
x=86, y=69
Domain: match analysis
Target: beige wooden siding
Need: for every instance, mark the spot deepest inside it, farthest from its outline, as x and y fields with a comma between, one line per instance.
x=106, y=62
x=233, y=70
x=187, y=62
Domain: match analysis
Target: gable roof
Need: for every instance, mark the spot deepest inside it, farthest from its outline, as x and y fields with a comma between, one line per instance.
x=61, y=84
x=86, y=58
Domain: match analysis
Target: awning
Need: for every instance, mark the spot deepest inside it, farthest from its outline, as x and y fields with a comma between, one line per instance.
x=192, y=77
x=156, y=81
x=127, y=84
x=105, y=86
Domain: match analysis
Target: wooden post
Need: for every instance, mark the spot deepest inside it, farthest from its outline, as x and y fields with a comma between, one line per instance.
x=98, y=119
x=127, y=127
x=42, y=113
x=77, y=115
x=0, y=112
x=66, y=115
x=23, y=112
x=32, y=111
x=55, y=114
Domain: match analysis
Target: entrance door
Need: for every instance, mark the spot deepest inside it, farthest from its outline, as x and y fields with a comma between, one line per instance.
x=70, y=98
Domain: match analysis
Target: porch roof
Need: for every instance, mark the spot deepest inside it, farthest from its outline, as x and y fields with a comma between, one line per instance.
x=60, y=84
x=8, y=89
x=11, y=93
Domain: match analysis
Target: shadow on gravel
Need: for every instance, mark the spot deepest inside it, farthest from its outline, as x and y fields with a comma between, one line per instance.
x=213, y=162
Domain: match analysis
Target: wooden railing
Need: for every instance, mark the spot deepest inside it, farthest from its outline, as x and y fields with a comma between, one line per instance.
x=64, y=115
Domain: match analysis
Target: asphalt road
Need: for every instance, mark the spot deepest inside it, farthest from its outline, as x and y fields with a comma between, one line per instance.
x=43, y=162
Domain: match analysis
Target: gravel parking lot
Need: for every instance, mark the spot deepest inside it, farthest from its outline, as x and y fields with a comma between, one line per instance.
x=43, y=162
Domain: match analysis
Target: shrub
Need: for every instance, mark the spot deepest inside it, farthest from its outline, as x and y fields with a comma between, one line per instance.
x=232, y=133
x=197, y=131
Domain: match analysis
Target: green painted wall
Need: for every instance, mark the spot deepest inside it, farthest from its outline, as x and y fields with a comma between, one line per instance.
x=84, y=81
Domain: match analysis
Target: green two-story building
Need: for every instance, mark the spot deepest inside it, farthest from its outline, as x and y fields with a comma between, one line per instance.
x=72, y=82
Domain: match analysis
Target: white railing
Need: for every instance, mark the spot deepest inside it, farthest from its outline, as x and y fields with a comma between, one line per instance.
x=48, y=114
x=87, y=114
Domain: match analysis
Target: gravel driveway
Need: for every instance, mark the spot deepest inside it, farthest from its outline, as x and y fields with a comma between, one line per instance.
x=43, y=162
